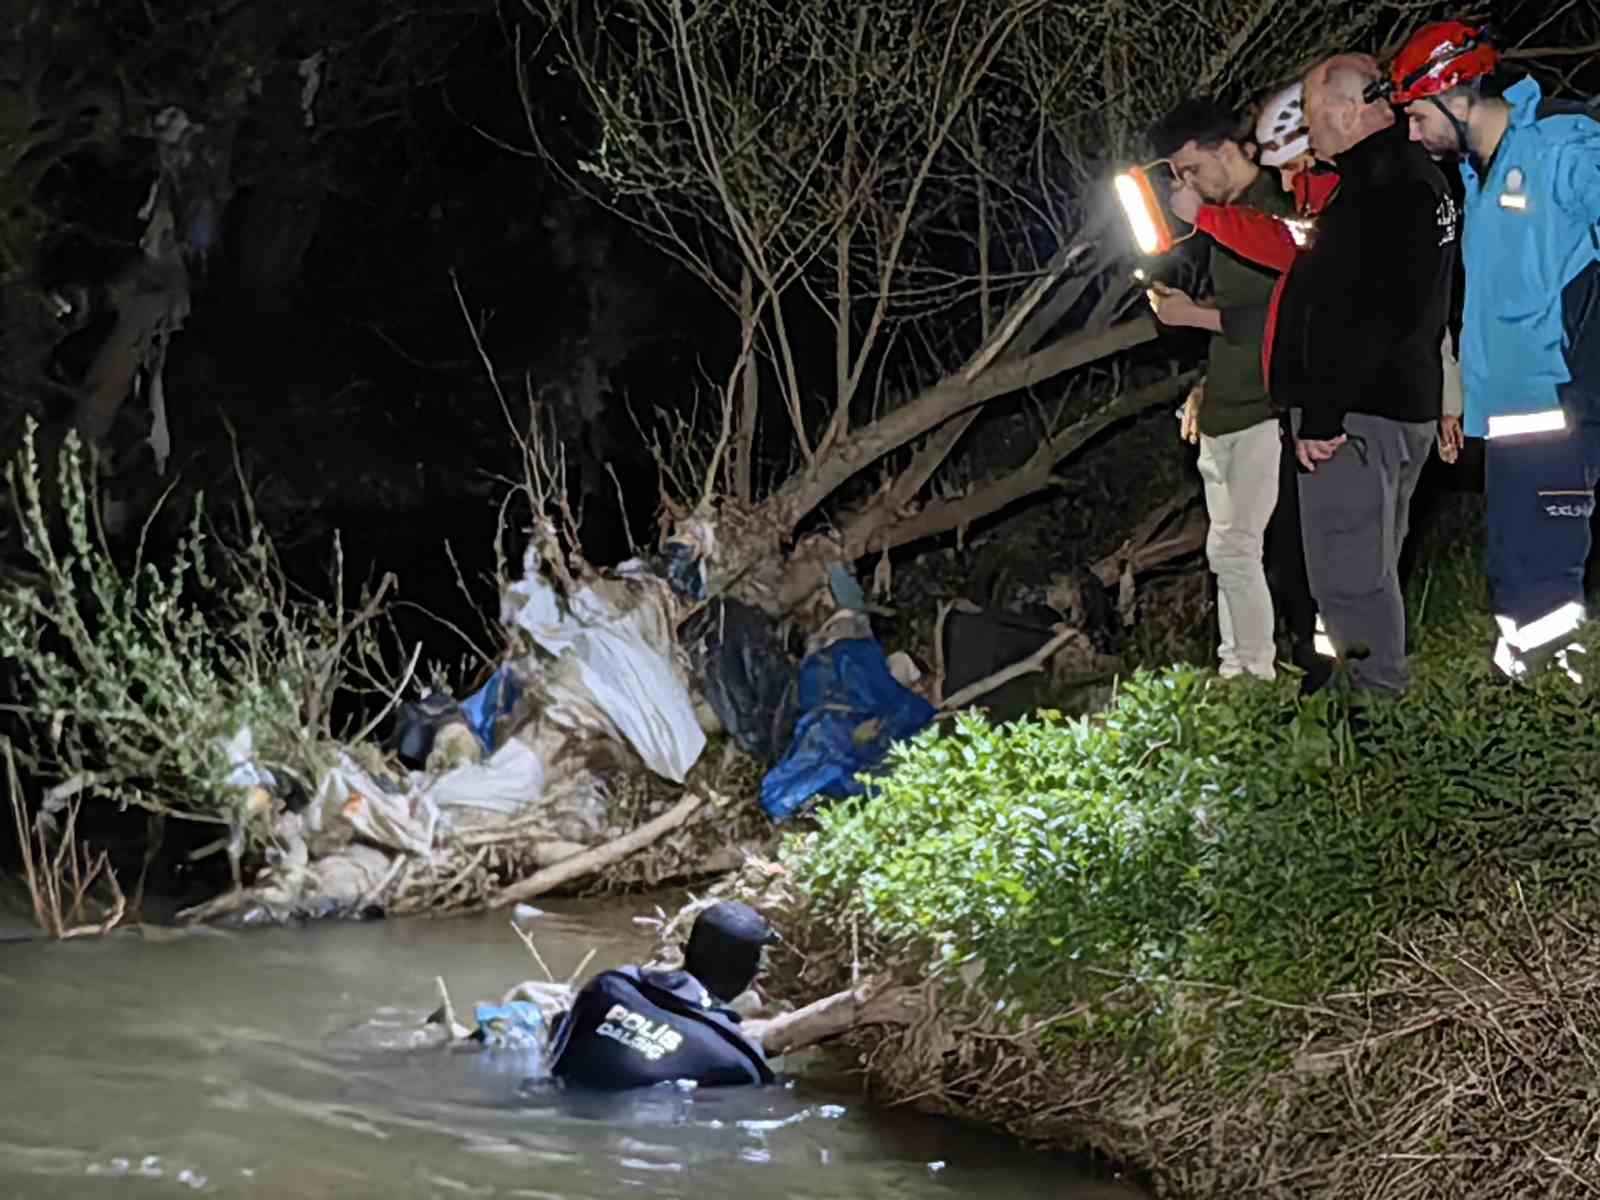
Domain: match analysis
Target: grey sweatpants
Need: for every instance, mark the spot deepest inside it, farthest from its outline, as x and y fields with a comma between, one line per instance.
x=1355, y=511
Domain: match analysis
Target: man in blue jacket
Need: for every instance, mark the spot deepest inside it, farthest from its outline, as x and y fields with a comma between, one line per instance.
x=632, y=1027
x=1530, y=344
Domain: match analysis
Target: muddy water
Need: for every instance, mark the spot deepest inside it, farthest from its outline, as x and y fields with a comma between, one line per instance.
x=284, y=1063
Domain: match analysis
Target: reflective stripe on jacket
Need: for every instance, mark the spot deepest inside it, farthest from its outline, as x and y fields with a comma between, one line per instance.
x=1532, y=227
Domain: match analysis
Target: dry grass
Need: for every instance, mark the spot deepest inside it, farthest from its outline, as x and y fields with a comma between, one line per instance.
x=75, y=892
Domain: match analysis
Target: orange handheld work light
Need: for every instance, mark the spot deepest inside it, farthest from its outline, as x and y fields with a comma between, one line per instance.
x=1146, y=217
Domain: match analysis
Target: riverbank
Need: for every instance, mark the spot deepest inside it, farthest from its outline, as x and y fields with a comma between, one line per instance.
x=1237, y=942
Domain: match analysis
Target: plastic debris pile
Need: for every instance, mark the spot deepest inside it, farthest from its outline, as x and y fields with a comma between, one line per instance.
x=595, y=724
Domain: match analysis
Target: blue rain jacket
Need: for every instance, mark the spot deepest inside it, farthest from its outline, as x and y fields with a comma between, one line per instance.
x=1532, y=226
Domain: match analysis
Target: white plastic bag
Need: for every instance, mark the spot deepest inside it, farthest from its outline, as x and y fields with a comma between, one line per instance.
x=510, y=779
x=402, y=821
x=621, y=641
x=243, y=771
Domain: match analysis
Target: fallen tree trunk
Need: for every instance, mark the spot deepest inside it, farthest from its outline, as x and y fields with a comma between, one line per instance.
x=882, y=530
x=1033, y=476
x=751, y=562
x=953, y=395
x=1036, y=320
x=593, y=860
x=1022, y=329
x=872, y=1003
x=878, y=529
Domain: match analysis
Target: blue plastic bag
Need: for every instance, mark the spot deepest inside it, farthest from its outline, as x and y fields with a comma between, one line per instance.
x=851, y=709
x=519, y=1023
x=489, y=703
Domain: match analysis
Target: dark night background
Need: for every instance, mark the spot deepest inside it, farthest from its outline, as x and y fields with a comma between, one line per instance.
x=324, y=326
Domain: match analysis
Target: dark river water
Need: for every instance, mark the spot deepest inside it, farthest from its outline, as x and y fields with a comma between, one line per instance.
x=286, y=1063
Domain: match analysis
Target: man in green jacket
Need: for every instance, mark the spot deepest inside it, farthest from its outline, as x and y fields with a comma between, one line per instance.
x=1237, y=425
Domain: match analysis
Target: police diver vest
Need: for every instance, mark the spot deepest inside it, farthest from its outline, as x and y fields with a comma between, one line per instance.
x=631, y=1028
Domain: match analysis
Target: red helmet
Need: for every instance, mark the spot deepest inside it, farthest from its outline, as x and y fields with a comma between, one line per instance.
x=1439, y=57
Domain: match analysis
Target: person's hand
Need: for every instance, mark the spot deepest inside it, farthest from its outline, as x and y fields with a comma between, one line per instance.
x=1314, y=450
x=1184, y=203
x=1174, y=308
x=1451, y=439
x=1189, y=417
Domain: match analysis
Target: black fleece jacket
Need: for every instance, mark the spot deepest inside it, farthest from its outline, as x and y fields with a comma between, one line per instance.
x=1364, y=308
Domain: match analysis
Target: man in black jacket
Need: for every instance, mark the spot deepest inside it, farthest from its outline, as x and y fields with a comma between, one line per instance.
x=1360, y=322
x=632, y=1027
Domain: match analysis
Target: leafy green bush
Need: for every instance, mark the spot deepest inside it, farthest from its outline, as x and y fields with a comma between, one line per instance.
x=129, y=681
x=1202, y=834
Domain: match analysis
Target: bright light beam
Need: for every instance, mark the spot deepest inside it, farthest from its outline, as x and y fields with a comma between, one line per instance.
x=1145, y=218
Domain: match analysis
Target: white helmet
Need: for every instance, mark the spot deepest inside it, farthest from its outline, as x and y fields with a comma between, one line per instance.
x=1281, y=130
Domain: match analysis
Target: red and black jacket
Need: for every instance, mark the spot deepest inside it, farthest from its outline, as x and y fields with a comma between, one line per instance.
x=1267, y=241
x=1362, y=313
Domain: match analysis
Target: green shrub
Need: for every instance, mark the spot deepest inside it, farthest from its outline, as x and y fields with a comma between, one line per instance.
x=129, y=680
x=1211, y=835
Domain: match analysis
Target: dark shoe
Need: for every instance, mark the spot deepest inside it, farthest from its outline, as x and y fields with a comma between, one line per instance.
x=1318, y=671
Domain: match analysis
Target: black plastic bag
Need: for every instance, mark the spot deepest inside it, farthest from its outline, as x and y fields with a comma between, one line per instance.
x=748, y=678
x=978, y=644
x=416, y=725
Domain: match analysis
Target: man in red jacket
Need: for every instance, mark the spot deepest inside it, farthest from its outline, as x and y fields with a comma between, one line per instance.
x=1274, y=243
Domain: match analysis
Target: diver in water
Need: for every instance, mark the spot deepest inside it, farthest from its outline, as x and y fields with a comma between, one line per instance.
x=632, y=1027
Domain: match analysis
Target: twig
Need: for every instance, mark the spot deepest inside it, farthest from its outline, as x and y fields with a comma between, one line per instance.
x=394, y=697
x=460, y=876
x=114, y=915
x=217, y=906
x=1554, y=51
x=622, y=507
x=1027, y=666
x=447, y=1010
x=527, y=941
x=374, y=893
x=483, y=356
x=938, y=651
x=579, y=969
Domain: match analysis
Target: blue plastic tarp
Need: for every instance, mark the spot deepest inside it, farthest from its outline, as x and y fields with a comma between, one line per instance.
x=489, y=703
x=851, y=710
